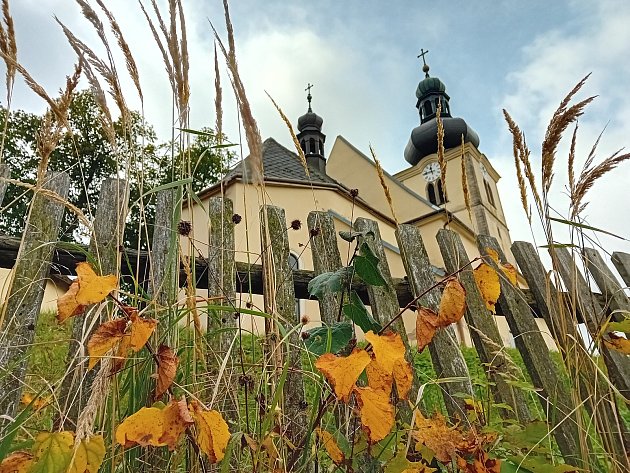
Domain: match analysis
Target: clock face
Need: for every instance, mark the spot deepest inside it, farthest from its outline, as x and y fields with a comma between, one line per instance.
x=431, y=172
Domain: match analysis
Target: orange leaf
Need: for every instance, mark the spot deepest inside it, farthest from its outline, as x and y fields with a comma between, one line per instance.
x=378, y=378
x=427, y=322
x=167, y=368
x=333, y=450
x=141, y=330
x=487, y=281
x=510, y=272
x=17, y=462
x=212, y=433
x=176, y=419
x=485, y=464
x=453, y=303
x=88, y=288
x=143, y=428
x=437, y=437
x=377, y=413
x=403, y=375
x=343, y=372
x=106, y=337
x=618, y=343
x=387, y=348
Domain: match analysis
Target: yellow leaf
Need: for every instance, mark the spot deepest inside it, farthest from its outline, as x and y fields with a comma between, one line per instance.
x=333, y=450
x=88, y=288
x=213, y=434
x=510, y=272
x=487, y=281
x=106, y=337
x=52, y=452
x=378, y=377
x=437, y=436
x=141, y=330
x=452, y=303
x=167, y=368
x=618, y=343
x=387, y=348
x=17, y=462
x=143, y=428
x=342, y=372
x=427, y=322
x=89, y=455
x=403, y=375
x=176, y=419
x=377, y=413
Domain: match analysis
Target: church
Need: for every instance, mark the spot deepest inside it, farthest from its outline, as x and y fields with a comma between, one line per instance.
x=345, y=183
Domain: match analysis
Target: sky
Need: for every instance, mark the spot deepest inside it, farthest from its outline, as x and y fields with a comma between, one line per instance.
x=361, y=57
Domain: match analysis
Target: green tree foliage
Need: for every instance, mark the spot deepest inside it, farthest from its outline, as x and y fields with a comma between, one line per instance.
x=89, y=157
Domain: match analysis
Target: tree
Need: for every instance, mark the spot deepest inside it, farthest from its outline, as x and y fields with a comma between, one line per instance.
x=89, y=157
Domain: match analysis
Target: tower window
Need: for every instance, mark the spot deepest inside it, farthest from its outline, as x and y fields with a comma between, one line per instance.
x=303, y=145
x=428, y=108
x=489, y=193
x=311, y=146
x=435, y=193
x=321, y=147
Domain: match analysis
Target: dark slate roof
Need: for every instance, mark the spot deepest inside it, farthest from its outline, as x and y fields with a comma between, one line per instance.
x=280, y=163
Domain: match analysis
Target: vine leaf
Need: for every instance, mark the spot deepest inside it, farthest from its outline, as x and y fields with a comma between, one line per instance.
x=143, y=428
x=389, y=352
x=618, y=343
x=342, y=372
x=106, y=337
x=167, y=368
x=17, y=462
x=488, y=280
x=366, y=266
x=376, y=411
x=330, y=282
x=88, y=288
x=400, y=464
x=356, y=311
x=52, y=452
x=329, y=339
x=89, y=455
x=140, y=331
x=213, y=434
x=352, y=235
x=330, y=444
x=438, y=437
x=379, y=378
x=176, y=419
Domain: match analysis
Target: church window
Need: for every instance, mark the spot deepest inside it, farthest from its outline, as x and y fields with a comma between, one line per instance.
x=294, y=264
x=428, y=108
x=435, y=193
x=311, y=146
x=489, y=193
x=303, y=145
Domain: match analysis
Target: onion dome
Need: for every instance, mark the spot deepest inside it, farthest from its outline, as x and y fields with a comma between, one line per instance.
x=311, y=137
x=430, y=93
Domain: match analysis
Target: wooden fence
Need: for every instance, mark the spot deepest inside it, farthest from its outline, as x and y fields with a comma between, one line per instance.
x=38, y=255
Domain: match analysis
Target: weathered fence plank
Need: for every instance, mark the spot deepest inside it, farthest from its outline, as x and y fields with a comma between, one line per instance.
x=326, y=258
x=107, y=238
x=26, y=290
x=622, y=263
x=555, y=397
x=479, y=317
x=592, y=387
x=612, y=291
x=5, y=173
x=446, y=355
x=281, y=305
x=594, y=314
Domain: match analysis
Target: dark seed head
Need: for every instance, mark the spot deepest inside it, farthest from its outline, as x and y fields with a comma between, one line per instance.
x=236, y=219
x=248, y=304
x=305, y=335
x=303, y=404
x=30, y=327
x=354, y=192
x=314, y=232
x=304, y=319
x=296, y=224
x=184, y=228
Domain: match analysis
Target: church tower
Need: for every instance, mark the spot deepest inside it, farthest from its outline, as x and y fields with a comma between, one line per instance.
x=311, y=137
x=486, y=212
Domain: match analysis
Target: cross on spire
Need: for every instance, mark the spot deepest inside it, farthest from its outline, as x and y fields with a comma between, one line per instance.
x=425, y=67
x=309, y=86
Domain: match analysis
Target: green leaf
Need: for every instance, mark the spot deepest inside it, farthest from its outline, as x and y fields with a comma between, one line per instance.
x=352, y=235
x=330, y=339
x=623, y=326
x=326, y=283
x=357, y=312
x=366, y=266
x=586, y=227
x=538, y=464
x=52, y=452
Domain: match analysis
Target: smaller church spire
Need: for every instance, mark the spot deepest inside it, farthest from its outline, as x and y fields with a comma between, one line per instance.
x=311, y=137
x=425, y=67
x=309, y=97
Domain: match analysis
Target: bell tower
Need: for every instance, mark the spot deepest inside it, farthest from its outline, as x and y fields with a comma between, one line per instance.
x=311, y=137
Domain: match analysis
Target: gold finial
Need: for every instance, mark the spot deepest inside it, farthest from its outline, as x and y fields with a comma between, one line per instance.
x=425, y=67
x=309, y=86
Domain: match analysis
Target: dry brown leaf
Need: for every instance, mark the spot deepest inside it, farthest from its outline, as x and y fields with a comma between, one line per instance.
x=167, y=369
x=330, y=444
x=489, y=285
x=106, y=337
x=427, y=322
x=618, y=343
x=377, y=413
x=176, y=418
x=143, y=428
x=141, y=330
x=213, y=434
x=437, y=437
x=342, y=372
x=17, y=462
x=403, y=375
x=452, y=303
x=378, y=377
x=88, y=288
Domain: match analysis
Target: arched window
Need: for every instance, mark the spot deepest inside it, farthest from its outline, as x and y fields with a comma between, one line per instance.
x=311, y=146
x=303, y=145
x=431, y=193
x=294, y=264
x=428, y=108
x=435, y=193
x=489, y=193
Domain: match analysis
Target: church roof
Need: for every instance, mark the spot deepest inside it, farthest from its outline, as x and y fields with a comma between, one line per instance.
x=280, y=164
